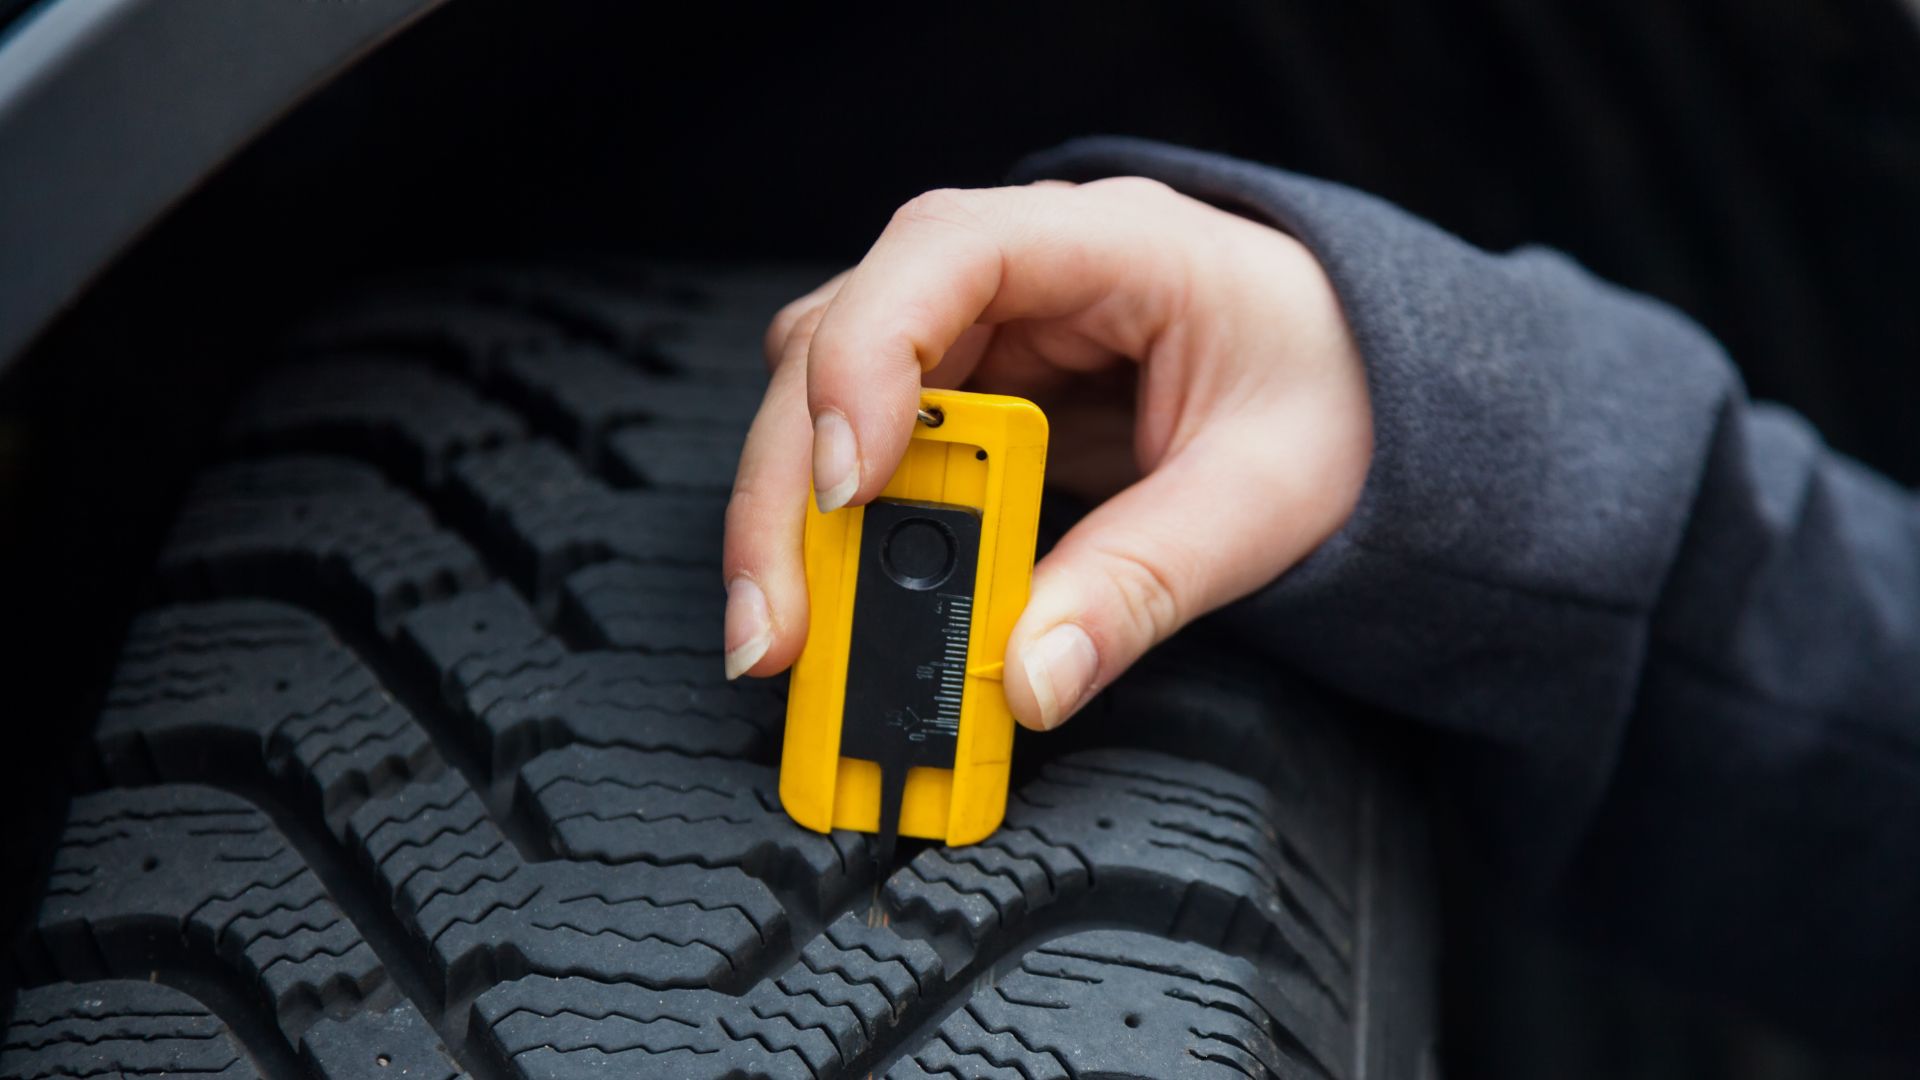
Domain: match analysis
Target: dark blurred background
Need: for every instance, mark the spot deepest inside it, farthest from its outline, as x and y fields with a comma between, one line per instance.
x=1755, y=163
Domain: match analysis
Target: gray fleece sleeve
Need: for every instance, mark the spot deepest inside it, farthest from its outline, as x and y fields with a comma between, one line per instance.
x=1678, y=638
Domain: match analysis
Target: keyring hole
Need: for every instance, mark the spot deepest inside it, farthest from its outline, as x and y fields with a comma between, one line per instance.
x=933, y=417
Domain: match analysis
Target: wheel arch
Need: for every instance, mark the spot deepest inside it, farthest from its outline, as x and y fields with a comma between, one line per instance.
x=111, y=111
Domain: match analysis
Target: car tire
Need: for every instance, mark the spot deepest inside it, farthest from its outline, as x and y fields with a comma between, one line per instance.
x=419, y=762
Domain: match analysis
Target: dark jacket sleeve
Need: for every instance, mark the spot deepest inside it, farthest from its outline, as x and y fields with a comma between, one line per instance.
x=1682, y=635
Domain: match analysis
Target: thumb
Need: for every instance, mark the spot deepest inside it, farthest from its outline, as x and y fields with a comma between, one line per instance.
x=1209, y=525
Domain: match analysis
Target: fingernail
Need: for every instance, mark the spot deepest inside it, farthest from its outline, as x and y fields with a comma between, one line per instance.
x=836, y=462
x=1060, y=668
x=749, y=626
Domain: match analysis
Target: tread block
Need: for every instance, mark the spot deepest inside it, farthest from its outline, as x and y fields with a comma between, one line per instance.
x=371, y=554
x=1191, y=847
x=655, y=312
x=1116, y=1003
x=429, y=840
x=676, y=458
x=295, y=474
x=264, y=675
x=748, y=295
x=144, y=877
x=119, y=1028
x=625, y=308
x=623, y=806
x=582, y=393
x=397, y=1044
x=562, y=1029
x=413, y=419
x=549, y=518
x=1242, y=715
x=646, y=608
x=483, y=912
x=964, y=1046
x=989, y=888
x=462, y=335
x=1203, y=825
x=823, y=1013
x=869, y=969
x=526, y=694
x=629, y=317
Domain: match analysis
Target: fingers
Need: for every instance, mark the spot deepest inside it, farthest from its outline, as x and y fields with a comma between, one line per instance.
x=1216, y=520
x=962, y=360
x=762, y=562
x=951, y=259
x=806, y=309
x=1026, y=284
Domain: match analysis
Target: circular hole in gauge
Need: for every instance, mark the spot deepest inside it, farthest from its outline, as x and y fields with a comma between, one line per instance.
x=918, y=553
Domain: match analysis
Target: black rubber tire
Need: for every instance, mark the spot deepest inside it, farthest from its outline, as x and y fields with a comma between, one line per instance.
x=420, y=764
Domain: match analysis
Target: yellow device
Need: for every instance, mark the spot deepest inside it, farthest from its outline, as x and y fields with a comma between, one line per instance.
x=896, y=719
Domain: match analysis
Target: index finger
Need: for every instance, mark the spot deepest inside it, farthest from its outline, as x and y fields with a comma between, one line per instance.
x=951, y=259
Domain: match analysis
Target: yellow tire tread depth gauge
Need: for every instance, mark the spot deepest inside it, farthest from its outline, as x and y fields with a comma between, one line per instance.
x=896, y=719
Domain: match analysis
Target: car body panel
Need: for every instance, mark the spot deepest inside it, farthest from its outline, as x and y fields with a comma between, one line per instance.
x=112, y=110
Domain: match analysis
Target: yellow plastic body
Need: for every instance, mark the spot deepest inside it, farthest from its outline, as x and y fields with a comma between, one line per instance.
x=988, y=453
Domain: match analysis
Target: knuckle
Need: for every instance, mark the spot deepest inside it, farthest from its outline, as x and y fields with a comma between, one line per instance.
x=752, y=501
x=777, y=330
x=1139, y=188
x=1146, y=593
x=743, y=507
x=800, y=337
x=800, y=316
x=750, y=525
x=946, y=207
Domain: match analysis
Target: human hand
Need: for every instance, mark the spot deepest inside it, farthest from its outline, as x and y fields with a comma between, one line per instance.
x=1246, y=408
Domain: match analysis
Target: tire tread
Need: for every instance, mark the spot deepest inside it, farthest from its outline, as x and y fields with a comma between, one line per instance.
x=428, y=703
